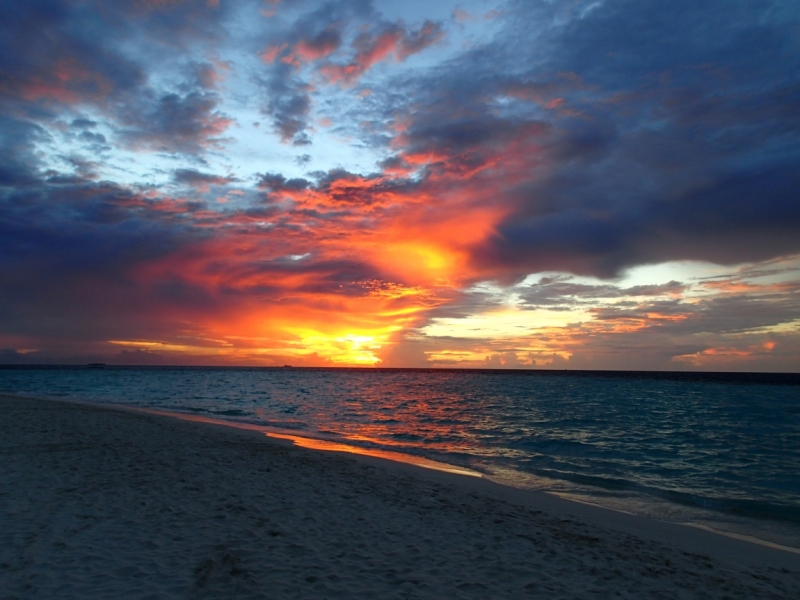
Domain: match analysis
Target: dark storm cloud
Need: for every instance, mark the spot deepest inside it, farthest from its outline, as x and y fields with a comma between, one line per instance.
x=553, y=291
x=601, y=135
x=726, y=315
x=9, y=356
x=92, y=138
x=346, y=188
x=288, y=103
x=56, y=51
x=87, y=227
x=56, y=54
x=649, y=131
x=470, y=133
x=173, y=123
x=18, y=162
x=66, y=52
x=275, y=182
x=337, y=186
x=83, y=123
x=85, y=169
x=193, y=177
x=588, y=225
x=56, y=178
x=59, y=232
x=703, y=162
x=394, y=163
x=69, y=253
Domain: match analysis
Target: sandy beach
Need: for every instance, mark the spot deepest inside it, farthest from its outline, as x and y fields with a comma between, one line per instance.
x=102, y=502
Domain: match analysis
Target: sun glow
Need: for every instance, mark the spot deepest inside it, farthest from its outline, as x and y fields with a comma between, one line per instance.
x=344, y=349
x=417, y=261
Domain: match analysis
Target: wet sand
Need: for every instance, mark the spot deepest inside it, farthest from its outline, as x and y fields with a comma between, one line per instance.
x=104, y=502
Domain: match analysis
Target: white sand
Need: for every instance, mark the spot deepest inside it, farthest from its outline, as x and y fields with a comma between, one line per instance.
x=102, y=503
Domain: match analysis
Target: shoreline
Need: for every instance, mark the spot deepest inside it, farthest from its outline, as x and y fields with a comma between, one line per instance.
x=393, y=458
x=366, y=500
x=324, y=445
x=321, y=445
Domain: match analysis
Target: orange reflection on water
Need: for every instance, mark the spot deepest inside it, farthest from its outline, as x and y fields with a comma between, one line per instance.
x=316, y=444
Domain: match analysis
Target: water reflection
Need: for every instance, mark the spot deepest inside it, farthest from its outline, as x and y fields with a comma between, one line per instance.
x=705, y=443
x=318, y=444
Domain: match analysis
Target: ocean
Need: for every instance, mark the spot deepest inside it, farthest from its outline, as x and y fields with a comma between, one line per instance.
x=716, y=450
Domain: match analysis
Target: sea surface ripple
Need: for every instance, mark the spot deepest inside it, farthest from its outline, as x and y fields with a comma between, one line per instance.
x=714, y=449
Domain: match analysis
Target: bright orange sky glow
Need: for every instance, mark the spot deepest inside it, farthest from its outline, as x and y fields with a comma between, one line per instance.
x=381, y=184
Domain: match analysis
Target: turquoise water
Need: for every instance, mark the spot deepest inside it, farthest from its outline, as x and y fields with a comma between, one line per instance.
x=718, y=450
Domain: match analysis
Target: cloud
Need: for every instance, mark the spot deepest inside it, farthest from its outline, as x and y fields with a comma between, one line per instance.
x=55, y=53
x=316, y=38
x=18, y=161
x=744, y=319
x=550, y=292
x=289, y=104
x=82, y=123
x=204, y=75
x=303, y=159
x=60, y=56
x=371, y=48
x=72, y=252
x=275, y=182
x=321, y=45
x=59, y=59
x=576, y=138
x=195, y=178
x=652, y=155
x=9, y=356
x=417, y=41
x=311, y=37
x=173, y=123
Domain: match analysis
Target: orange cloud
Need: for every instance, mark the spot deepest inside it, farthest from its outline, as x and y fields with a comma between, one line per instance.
x=342, y=270
x=719, y=356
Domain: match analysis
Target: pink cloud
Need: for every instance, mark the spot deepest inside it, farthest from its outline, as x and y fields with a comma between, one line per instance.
x=319, y=46
x=271, y=53
x=372, y=49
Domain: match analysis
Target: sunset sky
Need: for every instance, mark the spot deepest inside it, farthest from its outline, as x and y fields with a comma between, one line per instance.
x=583, y=184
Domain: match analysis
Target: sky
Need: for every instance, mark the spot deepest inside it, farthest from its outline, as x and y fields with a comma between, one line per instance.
x=554, y=184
